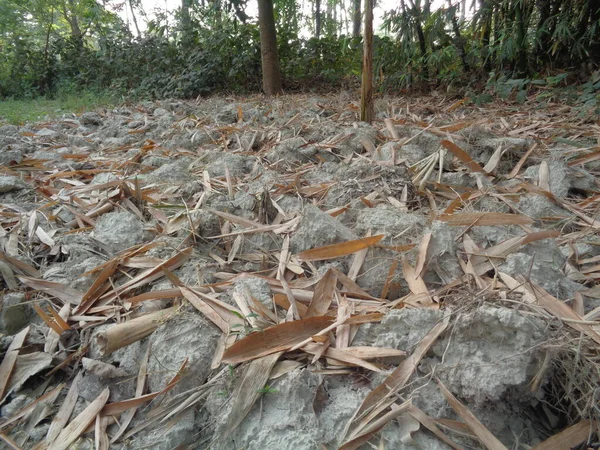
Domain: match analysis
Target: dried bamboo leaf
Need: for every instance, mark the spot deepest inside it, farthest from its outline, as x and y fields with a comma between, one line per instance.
x=47, y=398
x=400, y=376
x=340, y=355
x=513, y=173
x=248, y=390
x=569, y=437
x=337, y=250
x=25, y=367
x=47, y=320
x=559, y=309
x=484, y=219
x=139, y=390
x=462, y=156
x=490, y=441
x=21, y=266
x=415, y=282
x=422, y=255
x=62, y=416
x=58, y=290
x=428, y=423
x=97, y=288
x=78, y=425
x=374, y=427
x=323, y=296
x=365, y=352
x=275, y=339
x=205, y=309
x=9, y=361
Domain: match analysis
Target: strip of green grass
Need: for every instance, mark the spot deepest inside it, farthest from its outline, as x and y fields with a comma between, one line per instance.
x=18, y=112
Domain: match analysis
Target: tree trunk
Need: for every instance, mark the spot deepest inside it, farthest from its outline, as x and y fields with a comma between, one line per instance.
x=317, y=19
x=268, y=48
x=521, y=63
x=366, y=91
x=486, y=31
x=356, y=19
x=135, y=23
x=460, y=42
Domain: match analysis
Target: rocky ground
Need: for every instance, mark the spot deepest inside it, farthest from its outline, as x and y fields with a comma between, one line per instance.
x=245, y=273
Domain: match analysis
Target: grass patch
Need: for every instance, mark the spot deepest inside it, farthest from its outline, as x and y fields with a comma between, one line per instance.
x=18, y=112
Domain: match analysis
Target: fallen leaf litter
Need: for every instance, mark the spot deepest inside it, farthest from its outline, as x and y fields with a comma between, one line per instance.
x=177, y=273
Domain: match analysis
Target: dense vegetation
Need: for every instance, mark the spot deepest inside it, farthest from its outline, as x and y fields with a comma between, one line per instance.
x=53, y=46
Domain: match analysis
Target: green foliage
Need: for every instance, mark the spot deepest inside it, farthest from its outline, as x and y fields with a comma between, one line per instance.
x=267, y=390
x=48, y=47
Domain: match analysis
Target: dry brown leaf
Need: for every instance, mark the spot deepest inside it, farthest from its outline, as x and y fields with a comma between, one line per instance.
x=47, y=320
x=569, y=437
x=9, y=361
x=62, y=416
x=139, y=390
x=462, y=156
x=58, y=290
x=47, y=399
x=248, y=390
x=337, y=250
x=559, y=308
x=422, y=255
x=205, y=309
x=513, y=173
x=323, y=296
x=97, y=288
x=490, y=441
x=428, y=423
x=484, y=219
x=415, y=282
x=400, y=376
x=275, y=339
x=79, y=424
x=377, y=425
x=340, y=355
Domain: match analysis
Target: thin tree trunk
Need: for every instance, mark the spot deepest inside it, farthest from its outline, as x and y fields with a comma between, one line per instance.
x=317, y=19
x=366, y=91
x=521, y=63
x=268, y=48
x=460, y=42
x=356, y=19
x=486, y=31
x=135, y=23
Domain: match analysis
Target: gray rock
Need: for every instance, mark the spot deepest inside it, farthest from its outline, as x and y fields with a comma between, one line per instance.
x=119, y=230
x=401, y=329
x=175, y=172
x=46, y=132
x=160, y=112
x=9, y=130
x=90, y=118
x=487, y=352
x=317, y=229
x=10, y=156
x=9, y=184
x=188, y=336
x=286, y=419
x=16, y=314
